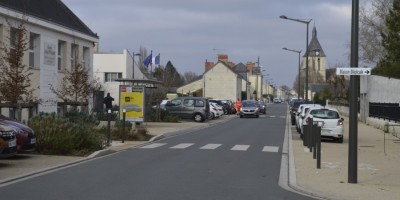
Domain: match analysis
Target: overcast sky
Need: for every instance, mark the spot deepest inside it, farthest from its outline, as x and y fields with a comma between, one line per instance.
x=187, y=32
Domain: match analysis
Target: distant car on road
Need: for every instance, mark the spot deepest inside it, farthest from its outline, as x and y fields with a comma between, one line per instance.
x=277, y=100
x=249, y=108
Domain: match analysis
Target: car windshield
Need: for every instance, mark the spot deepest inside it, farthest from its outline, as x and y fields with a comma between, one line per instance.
x=249, y=104
x=325, y=114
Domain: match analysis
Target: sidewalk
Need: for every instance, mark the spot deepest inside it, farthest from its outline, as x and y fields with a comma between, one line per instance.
x=378, y=172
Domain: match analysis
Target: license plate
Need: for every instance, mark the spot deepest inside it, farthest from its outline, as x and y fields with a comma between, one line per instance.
x=33, y=141
x=12, y=143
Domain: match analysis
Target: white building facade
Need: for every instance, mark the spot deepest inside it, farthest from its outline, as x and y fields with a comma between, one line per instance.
x=54, y=45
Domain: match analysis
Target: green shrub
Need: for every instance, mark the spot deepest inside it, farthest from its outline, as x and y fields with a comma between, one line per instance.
x=159, y=115
x=73, y=134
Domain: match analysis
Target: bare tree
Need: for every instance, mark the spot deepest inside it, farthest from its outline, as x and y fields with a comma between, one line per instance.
x=75, y=87
x=15, y=84
x=372, y=25
x=189, y=77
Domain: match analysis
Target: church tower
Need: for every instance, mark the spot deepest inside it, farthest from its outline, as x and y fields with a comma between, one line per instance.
x=316, y=61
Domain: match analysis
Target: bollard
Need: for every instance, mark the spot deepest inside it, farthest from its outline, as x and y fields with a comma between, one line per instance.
x=310, y=130
x=314, y=140
x=108, y=127
x=304, y=134
x=318, y=146
x=123, y=125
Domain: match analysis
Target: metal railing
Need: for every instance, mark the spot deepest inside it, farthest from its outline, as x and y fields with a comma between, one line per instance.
x=386, y=111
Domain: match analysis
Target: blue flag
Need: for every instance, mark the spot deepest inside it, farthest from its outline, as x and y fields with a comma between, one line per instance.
x=157, y=60
x=148, y=60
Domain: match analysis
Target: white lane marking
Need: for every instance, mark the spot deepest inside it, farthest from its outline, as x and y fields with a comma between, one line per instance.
x=282, y=116
x=240, y=147
x=152, y=146
x=270, y=149
x=272, y=116
x=182, y=146
x=211, y=146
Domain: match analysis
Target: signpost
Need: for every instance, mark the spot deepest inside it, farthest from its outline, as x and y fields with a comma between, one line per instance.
x=353, y=71
x=132, y=101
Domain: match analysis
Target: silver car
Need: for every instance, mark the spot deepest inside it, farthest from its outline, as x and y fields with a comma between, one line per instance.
x=249, y=108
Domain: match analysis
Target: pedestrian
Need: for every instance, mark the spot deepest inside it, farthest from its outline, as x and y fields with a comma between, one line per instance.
x=108, y=101
x=238, y=105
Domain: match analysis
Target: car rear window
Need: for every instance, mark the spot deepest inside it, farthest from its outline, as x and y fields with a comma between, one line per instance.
x=325, y=114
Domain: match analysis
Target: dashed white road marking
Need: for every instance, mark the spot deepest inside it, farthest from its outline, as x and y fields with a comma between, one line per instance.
x=211, y=146
x=152, y=146
x=270, y=149
x=182, y=146
x=240, y=147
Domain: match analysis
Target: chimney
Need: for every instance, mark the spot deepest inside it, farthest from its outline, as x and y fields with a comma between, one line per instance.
x=223, y=58
x=250, y=67
x=208, y=66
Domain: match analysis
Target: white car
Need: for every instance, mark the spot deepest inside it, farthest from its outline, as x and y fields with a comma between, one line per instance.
x=301, y=113
x=330, y=121
x=218, y=108
x=214, y=113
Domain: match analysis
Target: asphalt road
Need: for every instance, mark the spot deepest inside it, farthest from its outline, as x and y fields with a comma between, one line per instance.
x=239, y=159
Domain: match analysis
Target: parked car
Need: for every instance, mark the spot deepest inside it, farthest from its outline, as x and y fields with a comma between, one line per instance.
x=221, y=103
x=293, y=110
x=262, y=107
x=215, y=110
x=26, y=138
x=230, y=106
x=8, y=142
x=301, y=113
x=195, y=108
x=328, y=118
x=249, y=108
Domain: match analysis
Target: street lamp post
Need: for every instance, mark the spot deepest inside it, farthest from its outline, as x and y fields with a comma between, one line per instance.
x=133, y=57
x=296, y=51
x=304, y=22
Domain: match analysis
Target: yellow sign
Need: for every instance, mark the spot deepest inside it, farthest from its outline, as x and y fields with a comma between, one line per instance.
x=132, y=102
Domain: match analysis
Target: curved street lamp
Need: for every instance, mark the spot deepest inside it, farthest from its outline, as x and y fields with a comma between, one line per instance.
x=296, y=51
x=304, y=22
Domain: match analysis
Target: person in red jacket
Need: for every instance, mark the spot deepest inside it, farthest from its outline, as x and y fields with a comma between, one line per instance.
x=238, y=104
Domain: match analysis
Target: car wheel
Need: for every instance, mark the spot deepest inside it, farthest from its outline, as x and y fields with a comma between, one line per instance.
x=198, y=117
x=241, y=116
x=212, y=115
x=340, y=140
x=257, y=116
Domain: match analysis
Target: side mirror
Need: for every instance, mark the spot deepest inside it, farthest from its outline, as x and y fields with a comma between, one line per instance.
x=169, y=104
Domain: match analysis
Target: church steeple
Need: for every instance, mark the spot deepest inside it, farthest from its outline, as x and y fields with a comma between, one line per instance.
x=314, y=45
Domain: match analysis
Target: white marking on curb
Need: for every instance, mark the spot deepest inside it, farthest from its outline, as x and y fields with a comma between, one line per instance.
x=152, y=146
x=270, y=149
x=182, y=146
x=240, y=147
x=211, y=146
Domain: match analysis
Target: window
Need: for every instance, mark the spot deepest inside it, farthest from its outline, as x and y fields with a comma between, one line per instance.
x=176, y=102
x=188, y=102
x=111, y=76
x=61, y=55
x=86, y=58
x=74, y=55
x=199, y=103
x=33, y=50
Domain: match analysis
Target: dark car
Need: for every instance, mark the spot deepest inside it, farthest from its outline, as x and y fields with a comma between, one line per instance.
x=8, y=142
x=293, y=110
x=195, y=108
x=26, y=139
x=249, y=108
x=262, y=107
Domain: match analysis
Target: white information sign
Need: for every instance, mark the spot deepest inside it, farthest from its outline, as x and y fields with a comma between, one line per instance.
x=353, y=71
